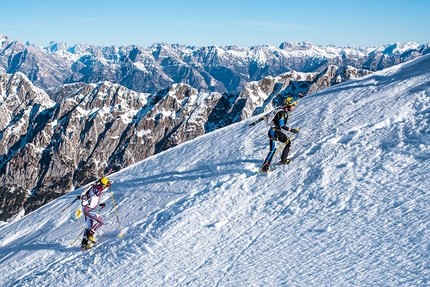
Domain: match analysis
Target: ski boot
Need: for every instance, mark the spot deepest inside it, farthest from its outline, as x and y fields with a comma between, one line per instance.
x=85, y=245
x=91, y=236
x=265, y=168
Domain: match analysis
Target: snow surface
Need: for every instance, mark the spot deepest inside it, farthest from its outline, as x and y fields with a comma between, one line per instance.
x=352, y=209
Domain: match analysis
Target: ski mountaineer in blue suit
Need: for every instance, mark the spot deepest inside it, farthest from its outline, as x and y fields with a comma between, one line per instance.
x=275, y=133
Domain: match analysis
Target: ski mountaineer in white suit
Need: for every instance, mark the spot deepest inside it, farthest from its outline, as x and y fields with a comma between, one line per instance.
x=90, y=199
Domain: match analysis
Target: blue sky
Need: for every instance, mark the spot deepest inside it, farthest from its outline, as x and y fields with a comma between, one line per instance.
x=205, y=23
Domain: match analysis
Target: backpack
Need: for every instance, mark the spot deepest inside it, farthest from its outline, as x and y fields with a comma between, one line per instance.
x=85, y=199
x=85, y=196
x=271, y=116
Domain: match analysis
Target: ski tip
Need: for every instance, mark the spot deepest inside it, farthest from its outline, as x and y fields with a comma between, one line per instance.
x=120, y=235
x=264, y=172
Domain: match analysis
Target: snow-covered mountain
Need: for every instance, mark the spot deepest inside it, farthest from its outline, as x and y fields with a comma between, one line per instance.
x=222, y=69
x=351, y=209
x=49, y=147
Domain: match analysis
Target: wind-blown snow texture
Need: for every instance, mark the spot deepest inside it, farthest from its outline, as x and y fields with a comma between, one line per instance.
x=352, y=208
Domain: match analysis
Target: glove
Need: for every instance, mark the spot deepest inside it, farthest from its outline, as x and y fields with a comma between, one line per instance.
x=102, y=205
x=295, y=130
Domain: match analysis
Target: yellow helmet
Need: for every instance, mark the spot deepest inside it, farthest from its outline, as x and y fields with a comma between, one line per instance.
x=104, y=180
x=290, y=102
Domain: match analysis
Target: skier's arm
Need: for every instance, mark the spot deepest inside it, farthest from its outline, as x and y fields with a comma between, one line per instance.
x=282, y=123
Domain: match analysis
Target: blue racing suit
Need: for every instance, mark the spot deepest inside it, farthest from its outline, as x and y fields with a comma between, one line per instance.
x=275, y=134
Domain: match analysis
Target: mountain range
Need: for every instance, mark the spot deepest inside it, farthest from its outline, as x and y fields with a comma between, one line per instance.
x=62, y=129
x=222, y=69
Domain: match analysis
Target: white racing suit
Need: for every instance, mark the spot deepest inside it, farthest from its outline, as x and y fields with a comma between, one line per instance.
x=90, y=201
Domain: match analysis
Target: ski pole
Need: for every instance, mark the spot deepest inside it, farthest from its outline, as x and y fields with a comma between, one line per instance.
x=279, y=148
x=80, y=233
x=68, y=205
x=116, y=212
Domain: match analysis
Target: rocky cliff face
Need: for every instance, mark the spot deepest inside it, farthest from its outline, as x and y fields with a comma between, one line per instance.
x=49, y=148
x=25, y=112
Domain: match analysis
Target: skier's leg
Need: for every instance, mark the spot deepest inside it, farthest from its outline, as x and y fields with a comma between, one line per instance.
x=97, y=220
x=272, y=146
x=283, y=138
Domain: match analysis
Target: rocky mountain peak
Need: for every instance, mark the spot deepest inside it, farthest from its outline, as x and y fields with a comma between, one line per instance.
x=222, y=69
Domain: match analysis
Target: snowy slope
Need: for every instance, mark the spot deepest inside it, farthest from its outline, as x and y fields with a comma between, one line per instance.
x=352, y=208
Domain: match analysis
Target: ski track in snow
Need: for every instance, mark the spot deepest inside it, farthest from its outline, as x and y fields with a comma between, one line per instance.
x=350, y=210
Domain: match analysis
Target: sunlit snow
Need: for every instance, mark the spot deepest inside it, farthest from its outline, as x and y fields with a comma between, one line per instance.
x=352, y=208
